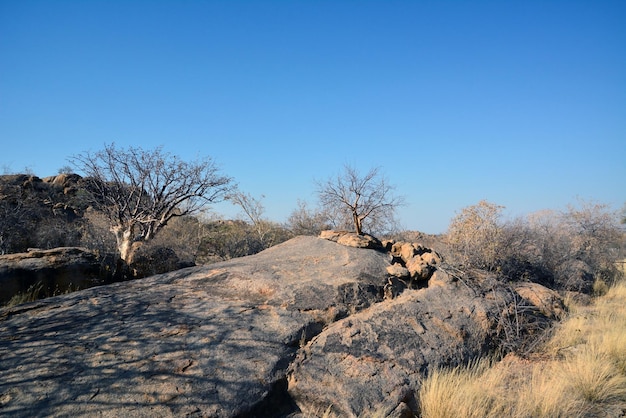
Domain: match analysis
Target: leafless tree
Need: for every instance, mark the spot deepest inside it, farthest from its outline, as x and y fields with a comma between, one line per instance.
x=142, y=190
x=254, y=210
x=365, y=201
x=305, y=221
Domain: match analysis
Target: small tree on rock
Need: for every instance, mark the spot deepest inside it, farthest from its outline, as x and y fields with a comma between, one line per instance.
x=140, y=190
x=365, y=201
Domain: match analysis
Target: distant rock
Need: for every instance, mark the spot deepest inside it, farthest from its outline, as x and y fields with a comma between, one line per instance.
x=67, y=182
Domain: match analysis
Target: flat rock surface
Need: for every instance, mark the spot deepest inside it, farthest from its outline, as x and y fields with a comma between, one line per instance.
x=203, y=341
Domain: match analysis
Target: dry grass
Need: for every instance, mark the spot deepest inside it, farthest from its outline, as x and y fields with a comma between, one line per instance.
x=30, y=295
x=462, y=392
x=35, y=292
x=580, y=373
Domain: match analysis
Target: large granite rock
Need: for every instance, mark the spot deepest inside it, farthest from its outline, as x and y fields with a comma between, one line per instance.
x=205, y=341
x=371, y=363
x=305, y=324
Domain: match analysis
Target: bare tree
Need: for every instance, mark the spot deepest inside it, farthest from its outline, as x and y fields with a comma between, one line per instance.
x=305, y=221
x=368, y=201
x=254, y=210
x=142, y=190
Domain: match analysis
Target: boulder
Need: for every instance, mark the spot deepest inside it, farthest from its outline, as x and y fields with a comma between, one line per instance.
x=332, y=235
x=404, y=250
x=360, y=241
x=398, y=271
x=419, y=268
x=55, y=269
x=546, y=300
x=65, y=181
x=431, y=258
x=372, y=362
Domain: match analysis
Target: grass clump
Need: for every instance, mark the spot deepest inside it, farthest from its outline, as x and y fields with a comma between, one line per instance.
x=448, y=393
x=591, y=376
x=35, y=292
x=30, y=295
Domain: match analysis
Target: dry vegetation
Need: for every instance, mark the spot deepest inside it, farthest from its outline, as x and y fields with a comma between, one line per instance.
x=562, y=250
x=580, y=372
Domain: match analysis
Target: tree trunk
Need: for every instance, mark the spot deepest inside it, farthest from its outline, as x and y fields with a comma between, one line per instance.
x=126, y=244
x=357, y=223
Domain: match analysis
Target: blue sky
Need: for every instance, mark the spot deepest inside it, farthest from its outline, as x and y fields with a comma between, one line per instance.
x=522, y=103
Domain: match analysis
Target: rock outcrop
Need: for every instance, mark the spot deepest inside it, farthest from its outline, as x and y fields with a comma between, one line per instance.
x=57, y=268
x=371, y=363
x=408, y=260
x=351, y=239
x=295, y=329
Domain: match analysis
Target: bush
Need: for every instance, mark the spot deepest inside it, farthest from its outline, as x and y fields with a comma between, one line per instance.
x=305, y=221
x=152, y=260
x=567, y=251
x=474, y=235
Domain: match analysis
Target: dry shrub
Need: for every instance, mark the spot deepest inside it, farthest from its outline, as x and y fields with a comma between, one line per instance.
x=584, y=375
x=615, y=296
x=570, y=333
x=474, y=235
x=542, y=398
x=32, y=294
x=613, y=343
x=570, y=250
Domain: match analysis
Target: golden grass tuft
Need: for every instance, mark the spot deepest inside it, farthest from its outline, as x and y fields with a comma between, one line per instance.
x=591, y=376
x=448, y=393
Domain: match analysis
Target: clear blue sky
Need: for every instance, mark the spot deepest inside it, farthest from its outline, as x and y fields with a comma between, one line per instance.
x=522, y=103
